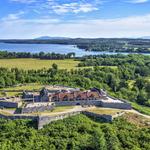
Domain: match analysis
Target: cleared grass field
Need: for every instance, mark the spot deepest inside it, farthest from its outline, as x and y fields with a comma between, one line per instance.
x=28, y=63
x=106, y=111
x=57, y=109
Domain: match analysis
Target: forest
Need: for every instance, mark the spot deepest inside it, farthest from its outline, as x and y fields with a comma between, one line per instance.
x=74, y=133
x=129, y=79
x=98, y=44
x=41, y=55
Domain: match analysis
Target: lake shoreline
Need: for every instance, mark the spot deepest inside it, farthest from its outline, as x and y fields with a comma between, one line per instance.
x=58, y=49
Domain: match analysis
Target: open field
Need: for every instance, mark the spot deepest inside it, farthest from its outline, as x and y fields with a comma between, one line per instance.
x=28, y=63
x=107, y=111
x=5, y=113
x=56, y=111
x=62, y=108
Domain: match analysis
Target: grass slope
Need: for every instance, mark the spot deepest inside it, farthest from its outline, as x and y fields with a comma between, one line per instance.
x=141, y=109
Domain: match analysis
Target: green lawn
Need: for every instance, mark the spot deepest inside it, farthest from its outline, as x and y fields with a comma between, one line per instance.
x=105, y=111
x=57, y=109
x=28, y=63
x=62, y=108
x=5, y=113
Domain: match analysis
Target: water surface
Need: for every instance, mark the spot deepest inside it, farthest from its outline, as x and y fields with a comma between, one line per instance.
x=49, y=48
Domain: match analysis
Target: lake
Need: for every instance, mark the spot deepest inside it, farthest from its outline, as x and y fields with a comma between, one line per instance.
x=49, y=48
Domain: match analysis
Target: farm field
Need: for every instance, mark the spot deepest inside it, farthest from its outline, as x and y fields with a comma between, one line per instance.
x=27, y=63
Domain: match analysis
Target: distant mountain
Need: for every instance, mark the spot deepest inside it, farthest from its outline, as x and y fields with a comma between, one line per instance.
x=50, y=38
x=145, y=37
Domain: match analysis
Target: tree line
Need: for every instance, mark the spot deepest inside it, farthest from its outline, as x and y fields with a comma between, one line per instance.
x=41, y=55
x=98, y=44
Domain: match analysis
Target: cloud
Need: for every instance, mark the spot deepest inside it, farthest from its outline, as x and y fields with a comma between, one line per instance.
x=61, y=7
x=24, y=1
x=138, y=1
x=73, y=8
x=13, y=16
x=135, y=26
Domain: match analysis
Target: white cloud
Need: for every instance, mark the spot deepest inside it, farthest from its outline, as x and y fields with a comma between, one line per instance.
x=60, y=7
x=24, y=1
x=14, y=16
x=135, y=26
x=74, y=8
x=137, y=1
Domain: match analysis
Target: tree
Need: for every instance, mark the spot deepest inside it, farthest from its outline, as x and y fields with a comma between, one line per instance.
x=55, y=66
x=2, y=82
x=142, y=97
x=140, y=83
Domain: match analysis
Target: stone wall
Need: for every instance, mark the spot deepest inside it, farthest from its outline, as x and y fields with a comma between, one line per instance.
x=107, y=118
x=118, y=105
x=14, y=117
x=9, y=104
x=37, y=109
x=80, y=102
x=44, y=120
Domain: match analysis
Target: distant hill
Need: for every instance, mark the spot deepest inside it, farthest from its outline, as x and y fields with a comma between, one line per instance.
x=50, y=38
x=145, y=37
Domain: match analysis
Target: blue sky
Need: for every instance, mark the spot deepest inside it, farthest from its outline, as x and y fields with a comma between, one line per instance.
x=74, y=18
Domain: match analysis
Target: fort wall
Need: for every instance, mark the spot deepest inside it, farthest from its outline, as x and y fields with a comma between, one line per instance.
x=44, y=120
x=37, y=109
x=116, y=105
x=14, y=117
x=10, y=104
x=79, y=102
x=107, y=118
